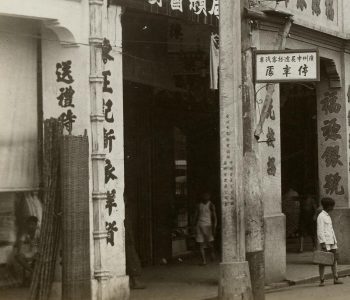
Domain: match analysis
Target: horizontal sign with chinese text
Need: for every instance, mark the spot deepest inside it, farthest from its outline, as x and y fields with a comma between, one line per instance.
x=287, y=65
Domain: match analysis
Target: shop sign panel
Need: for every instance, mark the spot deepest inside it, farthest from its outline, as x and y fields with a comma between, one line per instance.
x=287, y=66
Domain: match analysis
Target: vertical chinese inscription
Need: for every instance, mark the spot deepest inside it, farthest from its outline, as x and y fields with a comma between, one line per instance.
x=66, y=93
x=331, y=133
x=227, y=162
x=109, y=138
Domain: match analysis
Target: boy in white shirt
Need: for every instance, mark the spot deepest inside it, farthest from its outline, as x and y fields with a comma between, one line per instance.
x=326, y=237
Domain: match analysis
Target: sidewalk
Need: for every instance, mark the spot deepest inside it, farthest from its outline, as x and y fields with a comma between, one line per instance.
x=188, y=281
x=300, y=270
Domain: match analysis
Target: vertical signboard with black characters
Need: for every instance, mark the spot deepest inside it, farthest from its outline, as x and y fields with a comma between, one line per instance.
x=65, y=94
x=109, y=140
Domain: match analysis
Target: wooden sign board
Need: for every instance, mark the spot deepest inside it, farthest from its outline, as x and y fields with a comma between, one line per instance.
x=287, y=66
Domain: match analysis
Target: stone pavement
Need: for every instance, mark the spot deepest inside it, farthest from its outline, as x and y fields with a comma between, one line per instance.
x=312, y=291
x=188, y=281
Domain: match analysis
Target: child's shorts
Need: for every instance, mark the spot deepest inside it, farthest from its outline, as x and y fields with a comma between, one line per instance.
x=204, y=234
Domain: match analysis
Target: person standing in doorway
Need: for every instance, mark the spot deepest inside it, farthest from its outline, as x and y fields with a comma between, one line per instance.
x=205, y=221
x=307, y=221
x=326, y=238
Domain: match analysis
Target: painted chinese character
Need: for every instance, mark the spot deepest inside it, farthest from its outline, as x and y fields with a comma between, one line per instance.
x=271, y=112
x=293, y=58
x=274, y=59
x=215, y=8
x=262, y=59
x=67, y=120
x=108, y=139
x=198, y=6
x=271, y=167
x=63, y=72
x=280, y=59
x=109, y=169
x=316, y=9
x=270, y=137
x=331, y=156
x=287, y=59
x=270, y=71
x=268, y=59
x=159, y=2
x=107, y=108
x=106, y=49
x=110, y=202
x=176, y=5
x=301, y=4
x=303, y=70
x=329, y=10
x=332, y=184
x=329, y=102
x=286, y=70
x=65, y=99
x=106, y=82
x=331, y=129
x=111, y=228
x=311, y=58
x=300, y=58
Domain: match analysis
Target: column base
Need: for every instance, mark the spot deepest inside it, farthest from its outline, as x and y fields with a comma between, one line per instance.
x=341, y=224
x=275, y=248
x=114, y=288
x=56, y=291
x=257, y=273
x=234, y=281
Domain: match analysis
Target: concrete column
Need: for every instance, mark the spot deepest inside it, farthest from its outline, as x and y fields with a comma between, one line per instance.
x=113, y=127
x=254, y=212
x=101, y=274
x=234, y=270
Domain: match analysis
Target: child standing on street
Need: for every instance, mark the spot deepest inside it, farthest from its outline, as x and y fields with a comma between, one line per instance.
x=326, y=237
x=205, y=221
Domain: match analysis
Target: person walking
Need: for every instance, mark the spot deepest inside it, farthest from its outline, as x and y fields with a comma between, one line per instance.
x=205, y=221
x=326, y=238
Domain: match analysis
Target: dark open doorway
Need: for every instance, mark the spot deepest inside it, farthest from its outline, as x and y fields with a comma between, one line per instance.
x=299, y=162
x=171, y=132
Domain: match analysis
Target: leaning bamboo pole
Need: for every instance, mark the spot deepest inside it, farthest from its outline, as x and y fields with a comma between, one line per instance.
x=51, y=224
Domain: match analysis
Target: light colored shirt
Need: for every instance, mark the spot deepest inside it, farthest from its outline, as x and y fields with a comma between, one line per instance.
x=325, y=232
x=204, y=214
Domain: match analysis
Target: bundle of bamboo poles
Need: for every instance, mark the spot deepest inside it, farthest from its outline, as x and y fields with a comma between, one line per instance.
x=51, y=222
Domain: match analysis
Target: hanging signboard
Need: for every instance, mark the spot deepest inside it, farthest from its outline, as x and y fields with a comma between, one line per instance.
x=287, y=66
x=194, y=11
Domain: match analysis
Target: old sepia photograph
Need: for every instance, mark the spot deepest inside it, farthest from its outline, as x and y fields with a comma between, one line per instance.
x=174, y=149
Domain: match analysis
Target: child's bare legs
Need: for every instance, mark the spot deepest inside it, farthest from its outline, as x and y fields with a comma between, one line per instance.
x=212, y=251
x=334, y=269
x=202, y=251
x=321, y=269
x=301, y=243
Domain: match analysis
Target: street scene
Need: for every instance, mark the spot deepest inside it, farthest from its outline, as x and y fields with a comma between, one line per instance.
x=174, y=149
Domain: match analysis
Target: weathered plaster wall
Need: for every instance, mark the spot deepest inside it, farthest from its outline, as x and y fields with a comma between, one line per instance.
x=114, y=148
x=332, y=150
x=323, y=15
x=270, y=165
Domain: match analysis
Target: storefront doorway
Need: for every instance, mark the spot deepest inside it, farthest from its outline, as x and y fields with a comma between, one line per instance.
x=171, y=129
x=299, y=153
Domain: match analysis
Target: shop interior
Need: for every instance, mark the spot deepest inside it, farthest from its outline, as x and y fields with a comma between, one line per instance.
x=299, y=152
x=171, y=129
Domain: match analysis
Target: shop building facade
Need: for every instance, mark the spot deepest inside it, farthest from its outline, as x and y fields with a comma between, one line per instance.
x=72, y=67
